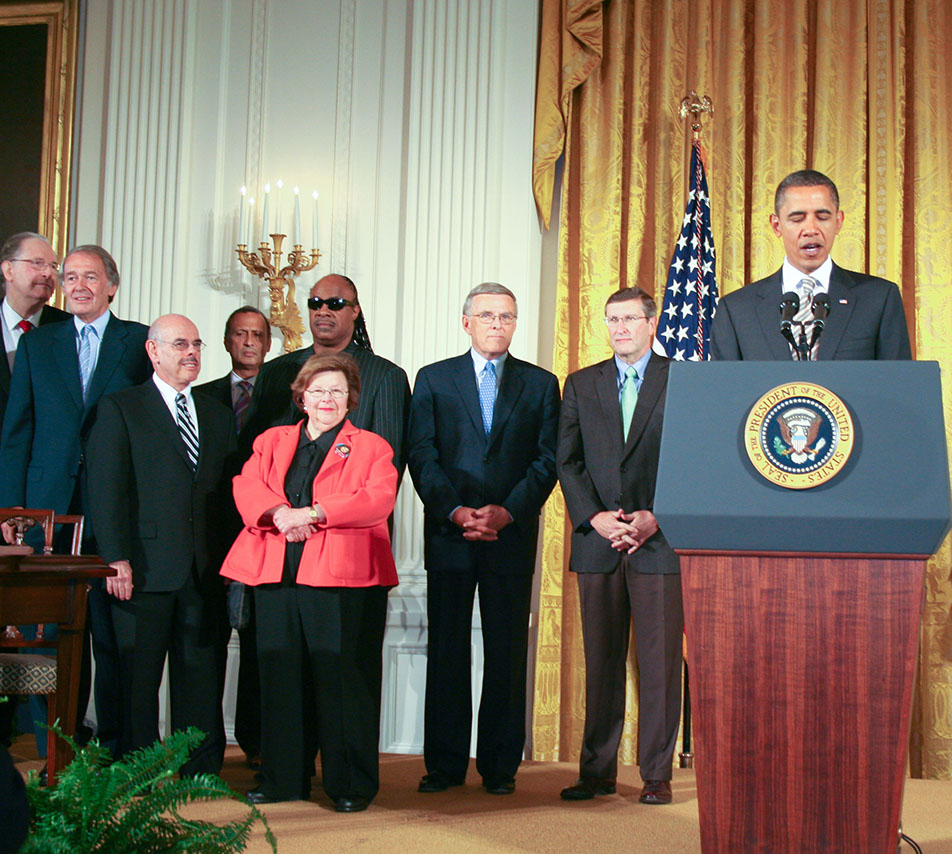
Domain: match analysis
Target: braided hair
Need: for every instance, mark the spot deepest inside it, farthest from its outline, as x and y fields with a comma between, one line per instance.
x=361, y=336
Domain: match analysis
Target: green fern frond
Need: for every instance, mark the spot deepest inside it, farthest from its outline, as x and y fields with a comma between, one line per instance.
x=131, y=806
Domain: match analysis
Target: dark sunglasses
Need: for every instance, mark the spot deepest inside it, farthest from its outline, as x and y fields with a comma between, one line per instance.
x=333, y=303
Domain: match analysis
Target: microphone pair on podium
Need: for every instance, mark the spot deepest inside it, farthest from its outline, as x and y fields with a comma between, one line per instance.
x=789, y=306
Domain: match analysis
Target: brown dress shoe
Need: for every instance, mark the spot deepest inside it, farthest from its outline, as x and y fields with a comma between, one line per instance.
x=656, y=792
x=586, y=788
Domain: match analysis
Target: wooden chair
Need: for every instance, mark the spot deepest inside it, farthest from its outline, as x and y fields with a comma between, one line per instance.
x=35, y=674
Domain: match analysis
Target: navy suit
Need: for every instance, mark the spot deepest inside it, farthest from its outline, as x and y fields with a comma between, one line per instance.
x=866, y=321
x=50, y=314
x=453, y=463
x=41, y=455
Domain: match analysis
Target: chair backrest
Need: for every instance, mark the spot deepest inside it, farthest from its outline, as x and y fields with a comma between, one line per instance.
x=43, y=518
x=77, y=522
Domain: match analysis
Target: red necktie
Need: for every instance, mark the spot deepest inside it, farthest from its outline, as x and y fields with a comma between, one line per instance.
x=25, y=325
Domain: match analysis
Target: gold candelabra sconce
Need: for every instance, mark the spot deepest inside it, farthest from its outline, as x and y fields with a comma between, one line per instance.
x=266, y=264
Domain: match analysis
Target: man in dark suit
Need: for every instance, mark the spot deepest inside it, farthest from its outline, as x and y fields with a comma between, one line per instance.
x=609, y=442
x=62, y=370
x=158, y=476
x=337, y=324
x=29, y=268
x=481, y=452
x=28, y=265
x=247, y=340
x=866, y=318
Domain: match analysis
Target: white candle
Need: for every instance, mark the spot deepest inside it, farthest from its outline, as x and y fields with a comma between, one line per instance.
x=298, y=238
x=241, y=215
x=277, y=208
x=264, y=213
x=314, y=223
x=251, y=223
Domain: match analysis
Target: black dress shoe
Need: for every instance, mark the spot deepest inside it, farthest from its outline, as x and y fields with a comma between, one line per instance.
x=504, y=786
x=354, y=804
x=436, y=782
x=586, y=788
x=656, y=792
x=256, y=797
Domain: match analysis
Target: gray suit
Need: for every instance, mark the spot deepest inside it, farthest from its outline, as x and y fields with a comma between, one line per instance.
x=599, y=470
x=866, y=321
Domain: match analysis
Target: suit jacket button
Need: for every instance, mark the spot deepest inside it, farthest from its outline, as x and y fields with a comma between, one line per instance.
x=624, y=469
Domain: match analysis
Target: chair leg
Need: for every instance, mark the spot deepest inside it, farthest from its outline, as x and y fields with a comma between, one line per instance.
x=51, y=765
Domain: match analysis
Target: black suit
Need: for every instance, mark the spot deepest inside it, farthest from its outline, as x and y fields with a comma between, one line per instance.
x=384, y=397
x=453, y=463
x=600, y=471
x=248, y=694
x=866, y=321
x=45, y=428
x=151, y=509
x=50, y=314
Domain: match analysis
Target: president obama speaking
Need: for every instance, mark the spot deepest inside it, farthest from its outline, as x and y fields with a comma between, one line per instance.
x=860, y=316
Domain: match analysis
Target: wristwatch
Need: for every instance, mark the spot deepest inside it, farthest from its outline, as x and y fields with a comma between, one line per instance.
x=315, y=516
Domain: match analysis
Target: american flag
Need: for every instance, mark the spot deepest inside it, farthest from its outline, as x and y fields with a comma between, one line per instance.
x=690, y=296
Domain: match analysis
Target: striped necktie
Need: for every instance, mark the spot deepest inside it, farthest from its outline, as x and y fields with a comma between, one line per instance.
x=186, y=429
x=85, y=358
x=241, y=403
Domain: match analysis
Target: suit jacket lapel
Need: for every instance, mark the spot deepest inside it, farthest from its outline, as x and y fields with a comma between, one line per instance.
x=67, y=360
x=510, y=388
x=111, y=350
x=651, y=387
x=841, y=307
x=158, y=413
x=465, y=379
x=768, y=313
x=606, y=390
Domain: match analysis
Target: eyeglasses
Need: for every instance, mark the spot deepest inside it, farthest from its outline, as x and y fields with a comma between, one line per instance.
x=38, y=265
x=627, y=320
x=333, y=303
x=506, y=318
x=182, y=345
x=335, y=393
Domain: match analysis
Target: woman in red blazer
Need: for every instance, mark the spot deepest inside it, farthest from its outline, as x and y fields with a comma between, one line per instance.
x=315, y=498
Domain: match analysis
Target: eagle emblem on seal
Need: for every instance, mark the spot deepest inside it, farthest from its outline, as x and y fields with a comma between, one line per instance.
x=798, y=435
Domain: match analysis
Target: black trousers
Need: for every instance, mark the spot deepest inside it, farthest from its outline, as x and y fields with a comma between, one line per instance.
x=609, y=604
x=185, y=625
x=320, y=662
x=501, y=725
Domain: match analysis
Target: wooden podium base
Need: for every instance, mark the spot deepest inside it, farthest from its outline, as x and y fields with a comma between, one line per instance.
x=802, y=671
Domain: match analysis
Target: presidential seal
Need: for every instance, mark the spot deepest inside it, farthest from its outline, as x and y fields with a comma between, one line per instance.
x=798, y=435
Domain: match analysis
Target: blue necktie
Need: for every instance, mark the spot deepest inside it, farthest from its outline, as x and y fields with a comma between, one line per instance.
x=487, y=395
x=85, y=358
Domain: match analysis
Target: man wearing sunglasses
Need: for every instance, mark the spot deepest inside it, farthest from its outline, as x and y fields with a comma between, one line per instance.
x=337, y=324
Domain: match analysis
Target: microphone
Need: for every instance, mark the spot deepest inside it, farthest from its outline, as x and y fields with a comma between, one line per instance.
x=789, y=306
x=821, y=310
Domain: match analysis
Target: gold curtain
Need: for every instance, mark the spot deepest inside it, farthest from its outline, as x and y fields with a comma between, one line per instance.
x=859, y=90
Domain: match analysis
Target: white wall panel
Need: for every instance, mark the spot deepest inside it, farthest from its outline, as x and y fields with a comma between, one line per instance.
x=412, y=119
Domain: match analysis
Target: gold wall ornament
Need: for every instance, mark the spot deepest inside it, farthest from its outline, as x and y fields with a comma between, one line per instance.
x=266, y=264
x=696, y=106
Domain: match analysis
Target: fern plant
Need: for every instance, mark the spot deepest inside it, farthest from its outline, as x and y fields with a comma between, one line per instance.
x=132, y=805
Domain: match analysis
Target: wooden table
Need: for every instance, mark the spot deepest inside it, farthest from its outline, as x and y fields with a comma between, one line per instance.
x=52, y=589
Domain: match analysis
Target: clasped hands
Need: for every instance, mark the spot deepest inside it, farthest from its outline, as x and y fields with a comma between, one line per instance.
x=296, y=523
x=625, y=531
x=481, y=523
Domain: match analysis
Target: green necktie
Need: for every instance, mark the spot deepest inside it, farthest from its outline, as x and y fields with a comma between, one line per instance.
x=629, y=399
